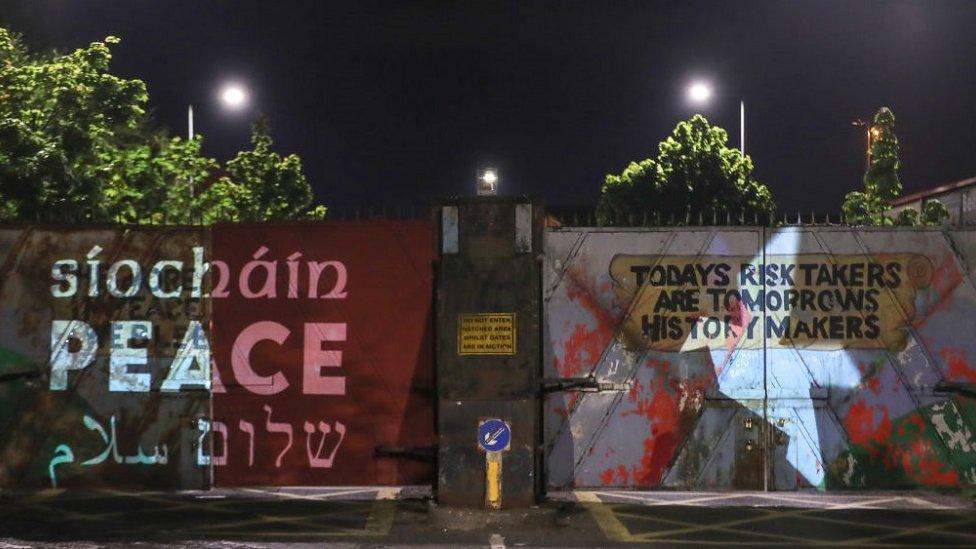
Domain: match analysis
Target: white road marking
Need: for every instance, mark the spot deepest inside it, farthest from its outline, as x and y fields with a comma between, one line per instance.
x=655, y=501
x=316, y=497
x=496, y=541
x=388, y=492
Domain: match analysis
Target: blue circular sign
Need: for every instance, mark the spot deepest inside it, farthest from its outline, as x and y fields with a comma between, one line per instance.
x=494, y=435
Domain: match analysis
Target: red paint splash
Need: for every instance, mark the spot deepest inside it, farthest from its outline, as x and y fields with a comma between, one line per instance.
x=584, y=347
x=911, y=426
x=915, y=456
x=739, y=320
x=959, y=369
x=582, y=350
x=662, y=415
x=863, y=430
x=946, y=276
x=874, y=384
x=923, y=464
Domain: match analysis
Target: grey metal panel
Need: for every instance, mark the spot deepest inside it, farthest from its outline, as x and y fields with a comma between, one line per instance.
x=523, y=228
x=449, y=229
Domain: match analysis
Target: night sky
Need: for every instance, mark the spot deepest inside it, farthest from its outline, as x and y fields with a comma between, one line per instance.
x=400, y=102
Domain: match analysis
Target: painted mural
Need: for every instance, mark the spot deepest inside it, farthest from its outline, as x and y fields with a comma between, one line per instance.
x=104, y=364
x=753, y=358
x=323, y=348
x=166, y=357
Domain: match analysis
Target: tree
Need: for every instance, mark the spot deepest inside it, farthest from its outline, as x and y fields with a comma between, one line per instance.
x=77, y=144
x=260, y=185
x=694, y=173
x=882, y=184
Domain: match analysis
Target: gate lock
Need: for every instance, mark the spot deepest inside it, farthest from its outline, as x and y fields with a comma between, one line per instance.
x=588, y=384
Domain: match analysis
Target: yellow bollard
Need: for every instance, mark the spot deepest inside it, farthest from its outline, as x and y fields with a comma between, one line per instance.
x=493, y=480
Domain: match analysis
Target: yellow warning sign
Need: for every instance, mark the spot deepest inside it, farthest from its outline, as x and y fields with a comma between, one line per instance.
x=486, y=334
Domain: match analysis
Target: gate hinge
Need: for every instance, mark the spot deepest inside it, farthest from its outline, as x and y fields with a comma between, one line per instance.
x=588, y=384
x=964, y=389
x=19, y=375
x=417, y=453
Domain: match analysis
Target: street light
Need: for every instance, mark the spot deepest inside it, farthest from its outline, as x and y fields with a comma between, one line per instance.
x=699, y=92
x=872, y=133
x=232, y=96
x=487, y=180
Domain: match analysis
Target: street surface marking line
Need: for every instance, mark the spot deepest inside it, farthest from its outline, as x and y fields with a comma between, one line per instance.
x=862, y=504
x=928, y=504
x=782, y=537
x=656, y=501
x=305, y=520
x=386, y=492
x=168, y=505
x=816, y=502
x=915, y=530
x=315, y=497
x=604, y=517
x=496, y=541
x=766, y=515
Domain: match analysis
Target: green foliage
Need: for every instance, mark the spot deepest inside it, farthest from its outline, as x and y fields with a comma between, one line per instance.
x=76, y=144
x=881, y=178
x=882, y=184
x=262, y=184
x=907, y=218
x=694, y=173
x=934, y=212
x=318, y=212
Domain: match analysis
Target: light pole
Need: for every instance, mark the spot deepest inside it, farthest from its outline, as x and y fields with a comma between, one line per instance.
x=189, y=137
x=700, y=92
x=870, y=132
x=742, y=127
x=232, y=96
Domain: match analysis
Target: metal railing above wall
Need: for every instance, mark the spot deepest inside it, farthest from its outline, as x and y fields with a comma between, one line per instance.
x=590, y=217
x=389, y=212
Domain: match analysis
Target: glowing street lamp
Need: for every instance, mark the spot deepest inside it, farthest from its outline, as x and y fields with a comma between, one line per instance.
x=699, y=92
x=872, y=133
x=487, y=182
x=232, y=96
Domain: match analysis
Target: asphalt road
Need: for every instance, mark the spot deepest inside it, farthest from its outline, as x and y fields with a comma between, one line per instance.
x=367, y=517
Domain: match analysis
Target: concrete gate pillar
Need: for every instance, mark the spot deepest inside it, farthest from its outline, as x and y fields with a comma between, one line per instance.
x=488, y=352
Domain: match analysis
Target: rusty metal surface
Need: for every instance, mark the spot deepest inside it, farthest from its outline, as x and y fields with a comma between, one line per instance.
x=870, y=388
x=96, y=424
x=316, y=377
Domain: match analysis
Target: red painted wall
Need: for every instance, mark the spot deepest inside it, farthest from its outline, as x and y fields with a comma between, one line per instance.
x=311, y=378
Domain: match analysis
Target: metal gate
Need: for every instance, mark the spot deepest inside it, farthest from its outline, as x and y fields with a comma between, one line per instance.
x=751, y=358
